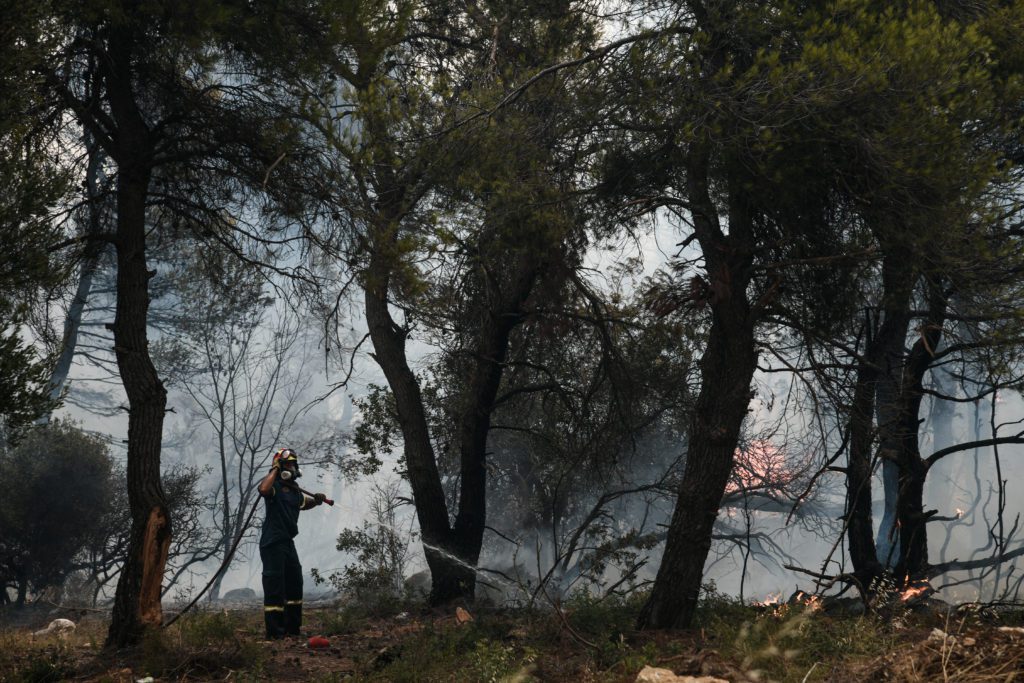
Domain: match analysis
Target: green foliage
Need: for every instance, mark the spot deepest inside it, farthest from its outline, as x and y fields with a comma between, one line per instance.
x=208, y=628
x=207, y=642
x=47, y=666
x=24, y=383
x=381, y=548
x=784, y=641
x=34, y=184
x=466, y=653
x=62, y=474
x=604, y=619
x=377, y=434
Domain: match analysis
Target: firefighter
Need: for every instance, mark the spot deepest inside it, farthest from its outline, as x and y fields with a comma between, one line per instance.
x=282, y=573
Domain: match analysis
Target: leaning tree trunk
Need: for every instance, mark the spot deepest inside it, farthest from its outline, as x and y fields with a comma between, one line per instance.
x=94, y=180
x=137, y=599
x=428, y=495
x=727, y=368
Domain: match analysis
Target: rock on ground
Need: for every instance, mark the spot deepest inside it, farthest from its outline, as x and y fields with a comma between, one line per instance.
x=651, y=674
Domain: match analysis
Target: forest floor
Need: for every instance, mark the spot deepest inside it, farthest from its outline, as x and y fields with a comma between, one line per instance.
x=585, y=640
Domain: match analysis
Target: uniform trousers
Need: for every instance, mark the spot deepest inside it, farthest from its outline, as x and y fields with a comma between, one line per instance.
x=282, y=589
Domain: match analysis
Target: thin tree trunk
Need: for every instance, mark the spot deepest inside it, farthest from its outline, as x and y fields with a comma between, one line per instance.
x=860, y=530
x=137, y=599
x=898, y=277
x=22, y=582
x=90, y=262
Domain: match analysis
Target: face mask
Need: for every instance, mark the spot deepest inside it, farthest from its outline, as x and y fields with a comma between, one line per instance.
x=286, y=475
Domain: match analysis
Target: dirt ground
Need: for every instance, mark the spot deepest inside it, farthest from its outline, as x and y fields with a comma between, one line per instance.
x=512, y=646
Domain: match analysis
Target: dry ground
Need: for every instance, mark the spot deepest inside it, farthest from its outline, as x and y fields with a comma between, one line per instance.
x=590, y=641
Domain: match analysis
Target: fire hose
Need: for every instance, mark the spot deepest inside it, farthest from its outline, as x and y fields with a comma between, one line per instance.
x=231, y=553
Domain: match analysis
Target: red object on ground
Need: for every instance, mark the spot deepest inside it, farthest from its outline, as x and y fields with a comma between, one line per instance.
x=319, y=641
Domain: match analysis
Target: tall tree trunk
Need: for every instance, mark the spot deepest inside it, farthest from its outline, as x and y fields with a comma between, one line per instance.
x=504, y=311
x=898, y=278
x=388, y=339
x=860, y=530
x=452, y=550
x=94, y=178
x=137, y=599
x=727, y=368
x=913, y=470
x=878, y=376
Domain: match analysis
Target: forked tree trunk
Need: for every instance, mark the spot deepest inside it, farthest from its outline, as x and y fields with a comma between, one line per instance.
x=878, y=378
x=452, y=550
x=913, y=470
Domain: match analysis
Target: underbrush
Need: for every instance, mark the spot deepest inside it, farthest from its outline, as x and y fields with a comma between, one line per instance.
x=584, y=638
x=469, y=652
x=201, y=643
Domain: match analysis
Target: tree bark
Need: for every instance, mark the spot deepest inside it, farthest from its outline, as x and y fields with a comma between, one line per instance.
x=879, y=374
x=860, y=530
x=452, y=550
x=898, y=278
x=913, y=470
x=428, y=495
x=727, y=368
x=137, y=599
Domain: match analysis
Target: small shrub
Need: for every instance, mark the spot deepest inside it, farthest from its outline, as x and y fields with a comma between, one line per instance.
x=604, y=618
x=467, y=653
x=45, y=666
x=209, y=628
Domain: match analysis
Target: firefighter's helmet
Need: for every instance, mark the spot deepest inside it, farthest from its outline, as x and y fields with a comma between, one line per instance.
x=286, y=455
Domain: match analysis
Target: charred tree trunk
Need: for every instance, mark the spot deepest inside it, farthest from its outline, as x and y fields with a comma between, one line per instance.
x=913, y=470
x=727, y=368
x=878, y=376
x=137, y=599
x=860, y=530
x=898, y=278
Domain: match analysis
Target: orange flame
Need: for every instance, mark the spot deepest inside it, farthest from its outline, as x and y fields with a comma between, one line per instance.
x=812, y=602
x=758, y=465
x=915, y=589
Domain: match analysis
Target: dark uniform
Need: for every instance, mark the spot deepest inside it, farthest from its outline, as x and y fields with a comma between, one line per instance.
x=282, y=573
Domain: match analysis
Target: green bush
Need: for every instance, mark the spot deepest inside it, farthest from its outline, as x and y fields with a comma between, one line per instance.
x=209, y=628
x=467, y=653
x=45, y=666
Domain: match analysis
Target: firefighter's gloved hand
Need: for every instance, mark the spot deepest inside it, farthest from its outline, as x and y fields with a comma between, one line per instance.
x=276, y=464
x=319, y=498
